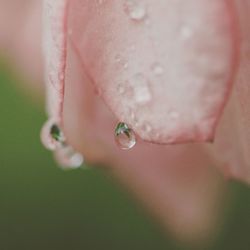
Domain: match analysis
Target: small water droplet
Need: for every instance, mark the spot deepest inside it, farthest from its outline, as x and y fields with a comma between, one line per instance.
x=135, y=10
x=125, y=66
x=186, y=32
x=68, y=158
x=118, y=58
x=52, y=136
x=121, y=89
x=147, y=128
x=174, y=115
x=124, y=136
x=132, y=48
x=142, y=93
x=157, y=69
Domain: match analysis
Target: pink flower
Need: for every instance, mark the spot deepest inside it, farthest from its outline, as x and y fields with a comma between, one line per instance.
x=176, y=71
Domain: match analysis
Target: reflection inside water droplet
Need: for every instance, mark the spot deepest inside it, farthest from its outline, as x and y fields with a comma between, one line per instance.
x=124, y=136
x=52, y=136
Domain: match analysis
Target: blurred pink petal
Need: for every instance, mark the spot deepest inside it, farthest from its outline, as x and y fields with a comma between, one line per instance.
x=21, y=34
x=232, y=143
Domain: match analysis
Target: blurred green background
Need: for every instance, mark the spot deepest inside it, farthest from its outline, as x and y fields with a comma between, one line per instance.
x=43, y=207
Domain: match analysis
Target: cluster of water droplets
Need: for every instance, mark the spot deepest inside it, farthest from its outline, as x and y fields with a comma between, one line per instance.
x=54, y=140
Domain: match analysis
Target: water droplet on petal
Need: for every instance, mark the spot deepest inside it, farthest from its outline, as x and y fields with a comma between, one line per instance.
x=125, y=66
x=68, y=158
x=147, y=128
x=174, y=115
x=124, y=136
x=121, y=89
x=186, y=32
x=135, y=10
x=157, y=69
x=142, y=93
x=118, y=58
x=52, y=136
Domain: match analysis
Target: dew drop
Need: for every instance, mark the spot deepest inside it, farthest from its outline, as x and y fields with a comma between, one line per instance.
x=125, y=66
x=135, y=10
x=67, y=158
x=52, y=136
x=186, y=32
x=157, y=69
x=121, y=89
x=124, y=136
x=142, y=93
x=118, y=58
x=174, y=115
x=147, y=128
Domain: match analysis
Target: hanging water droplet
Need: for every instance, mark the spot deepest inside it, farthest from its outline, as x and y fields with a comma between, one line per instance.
x=68, y=158
x=124, y=136
x=135, y=10
x=52, y=136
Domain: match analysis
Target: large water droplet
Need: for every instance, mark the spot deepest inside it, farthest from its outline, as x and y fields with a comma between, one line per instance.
x=52, y=136
x=124, y=136
x=68, y=158
x=135, y=10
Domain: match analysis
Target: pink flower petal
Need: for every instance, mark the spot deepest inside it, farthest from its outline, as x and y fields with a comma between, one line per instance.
x=55, y=42
x=232, y=143
x=178, y=183
x=20, y=37
x=165, y=68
